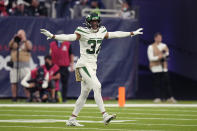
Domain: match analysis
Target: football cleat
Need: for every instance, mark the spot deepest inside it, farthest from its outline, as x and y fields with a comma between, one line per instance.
x=157, y=100
x=73, y=122
x=107, y=118
x=172, y=100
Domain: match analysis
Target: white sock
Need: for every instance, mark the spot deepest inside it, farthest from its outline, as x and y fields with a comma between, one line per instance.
x=72, y=118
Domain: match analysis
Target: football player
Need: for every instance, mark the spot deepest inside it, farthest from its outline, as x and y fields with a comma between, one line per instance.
x=90, y=39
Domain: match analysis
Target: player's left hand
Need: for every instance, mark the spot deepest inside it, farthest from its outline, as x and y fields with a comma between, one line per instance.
x=138, y=31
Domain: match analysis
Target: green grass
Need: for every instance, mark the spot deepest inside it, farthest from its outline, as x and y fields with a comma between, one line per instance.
x=130, y=118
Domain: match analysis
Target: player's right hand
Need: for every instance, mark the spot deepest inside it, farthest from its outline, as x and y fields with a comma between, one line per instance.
x=46, y=33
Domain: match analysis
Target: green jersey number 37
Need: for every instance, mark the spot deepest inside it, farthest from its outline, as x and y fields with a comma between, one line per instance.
x=92, y=49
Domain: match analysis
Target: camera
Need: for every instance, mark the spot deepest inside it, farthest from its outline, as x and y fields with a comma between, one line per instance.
x=39, y=78
x=38, y=84
x=17, y=39
x=166, y=57
x=163, y=51
x=10, y=64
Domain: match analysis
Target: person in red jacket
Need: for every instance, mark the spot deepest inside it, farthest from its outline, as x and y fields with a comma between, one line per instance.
x=62, y=55
x=36, y=82
x=3, y=11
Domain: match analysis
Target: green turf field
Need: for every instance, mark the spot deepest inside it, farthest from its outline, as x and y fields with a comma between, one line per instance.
x=128, y=118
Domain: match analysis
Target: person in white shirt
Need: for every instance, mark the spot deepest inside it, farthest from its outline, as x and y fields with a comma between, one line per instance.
x=158, y=54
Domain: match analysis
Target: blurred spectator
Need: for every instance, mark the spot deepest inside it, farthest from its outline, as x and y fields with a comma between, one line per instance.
x=37, y=9
x=28, y=1
x=112, y=4
x=158, y=53
x=62, y=55
x=78, y=7
x=125, y=12
x=20, y=49
x=129, y=2
x=96, y=5
x=54, y=77
x=36, y=82
x=3, y=11
x=62, y=8
x=11, y=6
x=20, y=9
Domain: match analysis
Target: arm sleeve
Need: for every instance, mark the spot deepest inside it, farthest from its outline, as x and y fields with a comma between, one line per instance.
x=151, y=57
x=25, y=79
x=118, y=34
x=46, y=81
x=64, y=37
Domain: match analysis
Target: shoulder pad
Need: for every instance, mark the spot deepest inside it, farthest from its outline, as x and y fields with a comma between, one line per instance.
x=103, y=29
x=82, y=30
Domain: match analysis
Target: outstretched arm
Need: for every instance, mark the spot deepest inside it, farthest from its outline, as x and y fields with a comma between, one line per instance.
x=61, y=37
x=120, y=34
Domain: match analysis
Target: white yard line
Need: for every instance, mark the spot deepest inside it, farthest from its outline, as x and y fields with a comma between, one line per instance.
x=75, y=128
x=128, y=118
x=86, y=112
x=64, y=128
x=155, y=114
x=157, y=124
x=39, y=111
x=56, y=120
x=120, y=122
x=172, y=119
x=152, y=110
x=94, y=105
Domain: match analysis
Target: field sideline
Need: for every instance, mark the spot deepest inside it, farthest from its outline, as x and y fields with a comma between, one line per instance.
x=136, y=116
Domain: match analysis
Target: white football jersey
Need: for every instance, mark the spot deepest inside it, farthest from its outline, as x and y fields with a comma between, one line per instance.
x=90, y=45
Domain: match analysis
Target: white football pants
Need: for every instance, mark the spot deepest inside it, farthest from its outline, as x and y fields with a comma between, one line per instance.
x=89, y=82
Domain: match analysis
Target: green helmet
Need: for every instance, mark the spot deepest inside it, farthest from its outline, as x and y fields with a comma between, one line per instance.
x=91, y=17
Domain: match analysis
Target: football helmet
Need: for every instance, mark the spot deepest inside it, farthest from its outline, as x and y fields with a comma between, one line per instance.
x=90, y=21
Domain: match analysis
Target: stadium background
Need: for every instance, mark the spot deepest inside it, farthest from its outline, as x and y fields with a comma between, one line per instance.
x=176, y=20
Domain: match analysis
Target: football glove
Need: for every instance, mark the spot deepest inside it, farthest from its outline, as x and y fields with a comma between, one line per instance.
x=46, y=33
x=138, y=31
